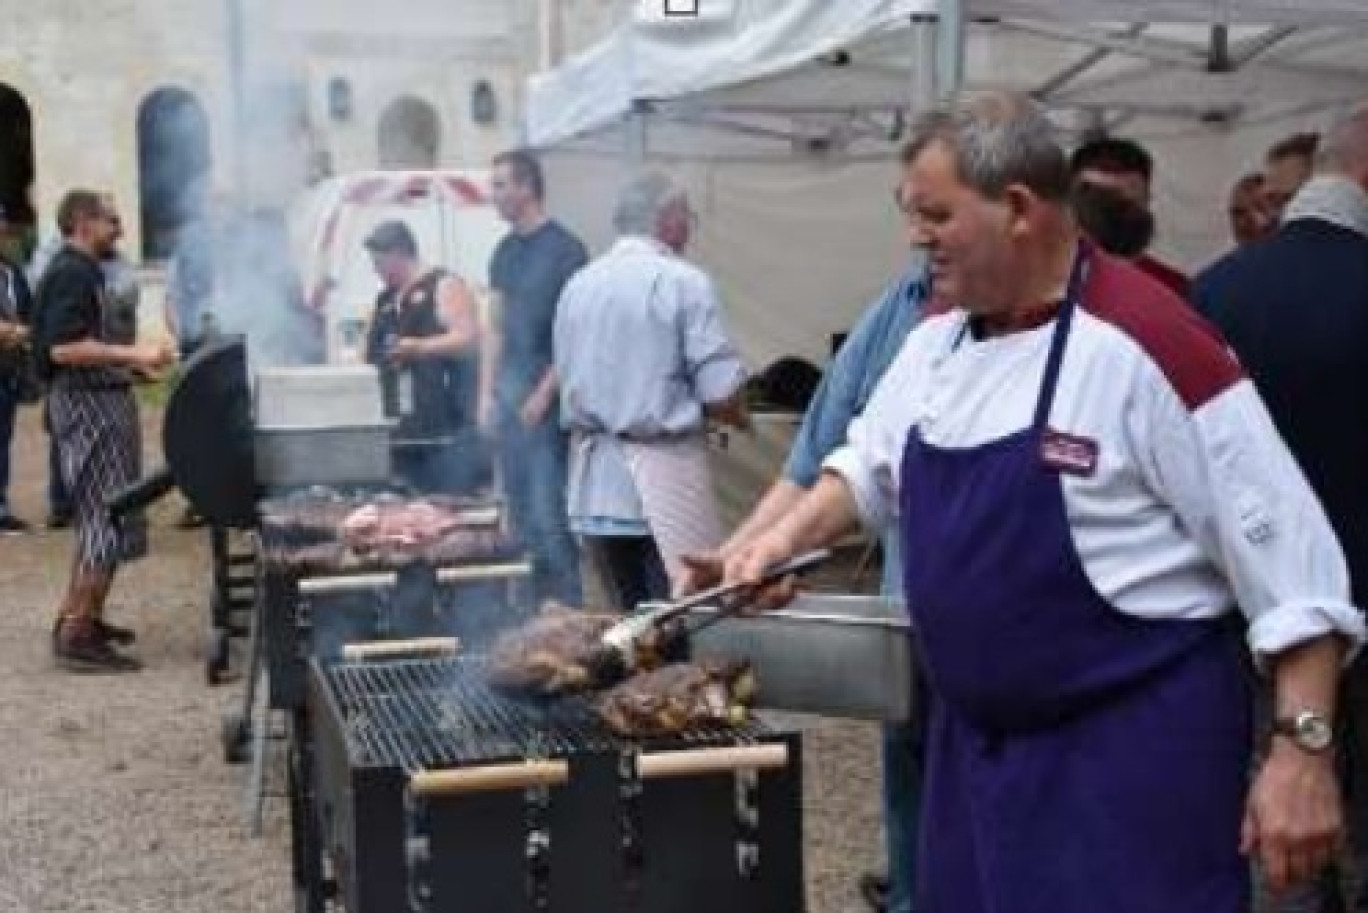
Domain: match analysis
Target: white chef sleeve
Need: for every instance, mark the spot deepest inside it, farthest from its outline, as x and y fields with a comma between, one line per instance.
x=869, y=460
x=1236, y=488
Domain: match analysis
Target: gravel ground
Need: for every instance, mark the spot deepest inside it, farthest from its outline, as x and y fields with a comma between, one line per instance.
x=113, y=794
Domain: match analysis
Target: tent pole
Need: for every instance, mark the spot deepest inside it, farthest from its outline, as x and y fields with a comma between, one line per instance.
x=950, y=59
x=925, y=40
x=634, y=143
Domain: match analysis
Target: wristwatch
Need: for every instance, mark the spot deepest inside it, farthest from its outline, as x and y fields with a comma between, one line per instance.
x=1310, y=730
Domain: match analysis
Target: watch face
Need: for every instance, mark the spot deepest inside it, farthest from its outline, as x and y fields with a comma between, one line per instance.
x=1313, y=732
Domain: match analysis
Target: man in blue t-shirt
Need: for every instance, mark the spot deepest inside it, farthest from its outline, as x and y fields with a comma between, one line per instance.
x=519, y=402
x=846, y=387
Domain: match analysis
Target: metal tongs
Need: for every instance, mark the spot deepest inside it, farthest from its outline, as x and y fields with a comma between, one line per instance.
x=620, y=642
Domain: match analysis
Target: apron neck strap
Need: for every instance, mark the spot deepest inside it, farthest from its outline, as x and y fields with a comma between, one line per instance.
x=1078, y=277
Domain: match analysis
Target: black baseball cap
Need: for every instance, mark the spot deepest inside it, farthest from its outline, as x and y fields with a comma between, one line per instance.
x=392, y=237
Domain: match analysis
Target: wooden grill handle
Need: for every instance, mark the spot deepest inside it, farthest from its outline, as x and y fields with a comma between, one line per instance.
x=473, y=572
x=399, y=649
x=492, y=778
x=692, y=762
x=351, y=583
x=479, y=516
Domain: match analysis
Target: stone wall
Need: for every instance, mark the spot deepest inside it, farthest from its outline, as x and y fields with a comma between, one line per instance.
x=85, y=68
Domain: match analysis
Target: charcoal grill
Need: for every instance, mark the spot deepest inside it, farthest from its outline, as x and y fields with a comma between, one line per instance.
x=314, y=608
x=416, y=787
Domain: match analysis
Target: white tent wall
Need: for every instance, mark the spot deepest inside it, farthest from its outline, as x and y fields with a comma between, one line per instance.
x=798, y=241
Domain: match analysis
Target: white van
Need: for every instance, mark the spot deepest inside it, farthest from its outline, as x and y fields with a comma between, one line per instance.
x=448, y=212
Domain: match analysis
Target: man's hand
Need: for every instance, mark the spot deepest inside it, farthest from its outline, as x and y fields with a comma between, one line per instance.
x=534, y=409
x=1293, y=821
x=13, y=334
x=408, y=348
x=148, y=359
x=748, y=565
x=698, y=572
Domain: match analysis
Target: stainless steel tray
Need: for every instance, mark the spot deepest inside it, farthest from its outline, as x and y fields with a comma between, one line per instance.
x=323, y=456
x=832, y=655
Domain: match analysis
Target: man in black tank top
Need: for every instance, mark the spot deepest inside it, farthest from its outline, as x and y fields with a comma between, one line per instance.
x=424, y=337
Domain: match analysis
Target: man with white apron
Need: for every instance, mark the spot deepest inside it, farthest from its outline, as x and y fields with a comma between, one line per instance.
x=1087, y=488
x=644, y=362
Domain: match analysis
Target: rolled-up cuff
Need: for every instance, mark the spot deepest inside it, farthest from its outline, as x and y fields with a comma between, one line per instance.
x=864, y=487
x=1295, y=623
x=717, y=380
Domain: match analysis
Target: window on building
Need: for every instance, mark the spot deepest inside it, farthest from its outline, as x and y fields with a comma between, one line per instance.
x=173, y=167
x=16, y=176
x=410, y=135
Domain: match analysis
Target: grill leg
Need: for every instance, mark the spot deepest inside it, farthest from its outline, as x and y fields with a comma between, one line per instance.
x=260, y=727
x=306, y=845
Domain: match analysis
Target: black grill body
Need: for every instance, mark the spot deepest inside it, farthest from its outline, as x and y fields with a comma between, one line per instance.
x=605, y=840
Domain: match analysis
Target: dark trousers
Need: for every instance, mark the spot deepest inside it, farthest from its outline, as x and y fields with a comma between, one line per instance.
x=904, y=756
x=534, y=464
x=631, y=568
x=9, y=407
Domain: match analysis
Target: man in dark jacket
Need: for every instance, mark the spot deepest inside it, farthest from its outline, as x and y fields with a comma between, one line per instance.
x=1295, y=309
x=1127, y=168
x=15, y=304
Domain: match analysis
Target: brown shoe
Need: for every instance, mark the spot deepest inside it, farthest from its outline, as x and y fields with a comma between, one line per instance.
x=115, y=634
x=79, y=648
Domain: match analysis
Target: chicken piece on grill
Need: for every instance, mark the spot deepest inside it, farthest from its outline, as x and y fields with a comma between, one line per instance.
x=677, y=698
x=551, y=654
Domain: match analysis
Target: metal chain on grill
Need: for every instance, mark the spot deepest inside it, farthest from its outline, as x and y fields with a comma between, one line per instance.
x=630, y=790
x=747, y=821
x=537, y=819
x=383, y=607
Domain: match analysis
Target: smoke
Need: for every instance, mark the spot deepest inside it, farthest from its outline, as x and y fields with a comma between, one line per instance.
x=216, y=208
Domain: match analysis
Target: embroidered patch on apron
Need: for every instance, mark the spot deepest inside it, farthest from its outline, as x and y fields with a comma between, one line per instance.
x=1069, y=453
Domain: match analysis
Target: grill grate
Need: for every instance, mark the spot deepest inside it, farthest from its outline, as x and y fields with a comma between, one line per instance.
x=440, y=713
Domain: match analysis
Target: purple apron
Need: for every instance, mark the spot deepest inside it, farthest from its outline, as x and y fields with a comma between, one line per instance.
x=1078, y=759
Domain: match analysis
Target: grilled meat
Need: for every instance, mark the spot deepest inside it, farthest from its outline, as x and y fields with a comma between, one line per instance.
x=319, y=530
x=678, y=697
x=551, y=654
x=458, y=546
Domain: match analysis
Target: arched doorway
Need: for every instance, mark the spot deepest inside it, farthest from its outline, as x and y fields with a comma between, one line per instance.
x=173, y=167
x=410, y=135
x=16, y=176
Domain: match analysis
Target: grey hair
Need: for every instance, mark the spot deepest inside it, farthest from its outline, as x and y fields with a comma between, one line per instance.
x=1345, y=145
x=997, y=140
x=642, y=201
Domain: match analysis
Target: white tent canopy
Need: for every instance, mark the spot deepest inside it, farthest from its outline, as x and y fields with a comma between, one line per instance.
x=784, y=117
x=786, y=55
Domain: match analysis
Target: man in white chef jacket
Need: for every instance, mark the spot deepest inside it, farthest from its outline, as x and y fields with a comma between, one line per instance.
x=1100, y=525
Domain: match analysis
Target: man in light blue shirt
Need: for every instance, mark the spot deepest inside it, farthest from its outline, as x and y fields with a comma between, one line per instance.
x=644, y=361
x=846, y=387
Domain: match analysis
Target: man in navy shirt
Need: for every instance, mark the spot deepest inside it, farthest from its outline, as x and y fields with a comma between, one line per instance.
x=1295, y=309
x=520, y=391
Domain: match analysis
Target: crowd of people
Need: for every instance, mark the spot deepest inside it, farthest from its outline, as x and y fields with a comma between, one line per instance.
x=586, y=391
x=1126, y=509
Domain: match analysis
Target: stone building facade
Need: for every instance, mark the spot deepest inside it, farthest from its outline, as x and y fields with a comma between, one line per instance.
x=159, y=101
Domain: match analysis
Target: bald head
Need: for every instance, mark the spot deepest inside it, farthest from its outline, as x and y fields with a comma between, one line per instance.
x=1344, y=149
